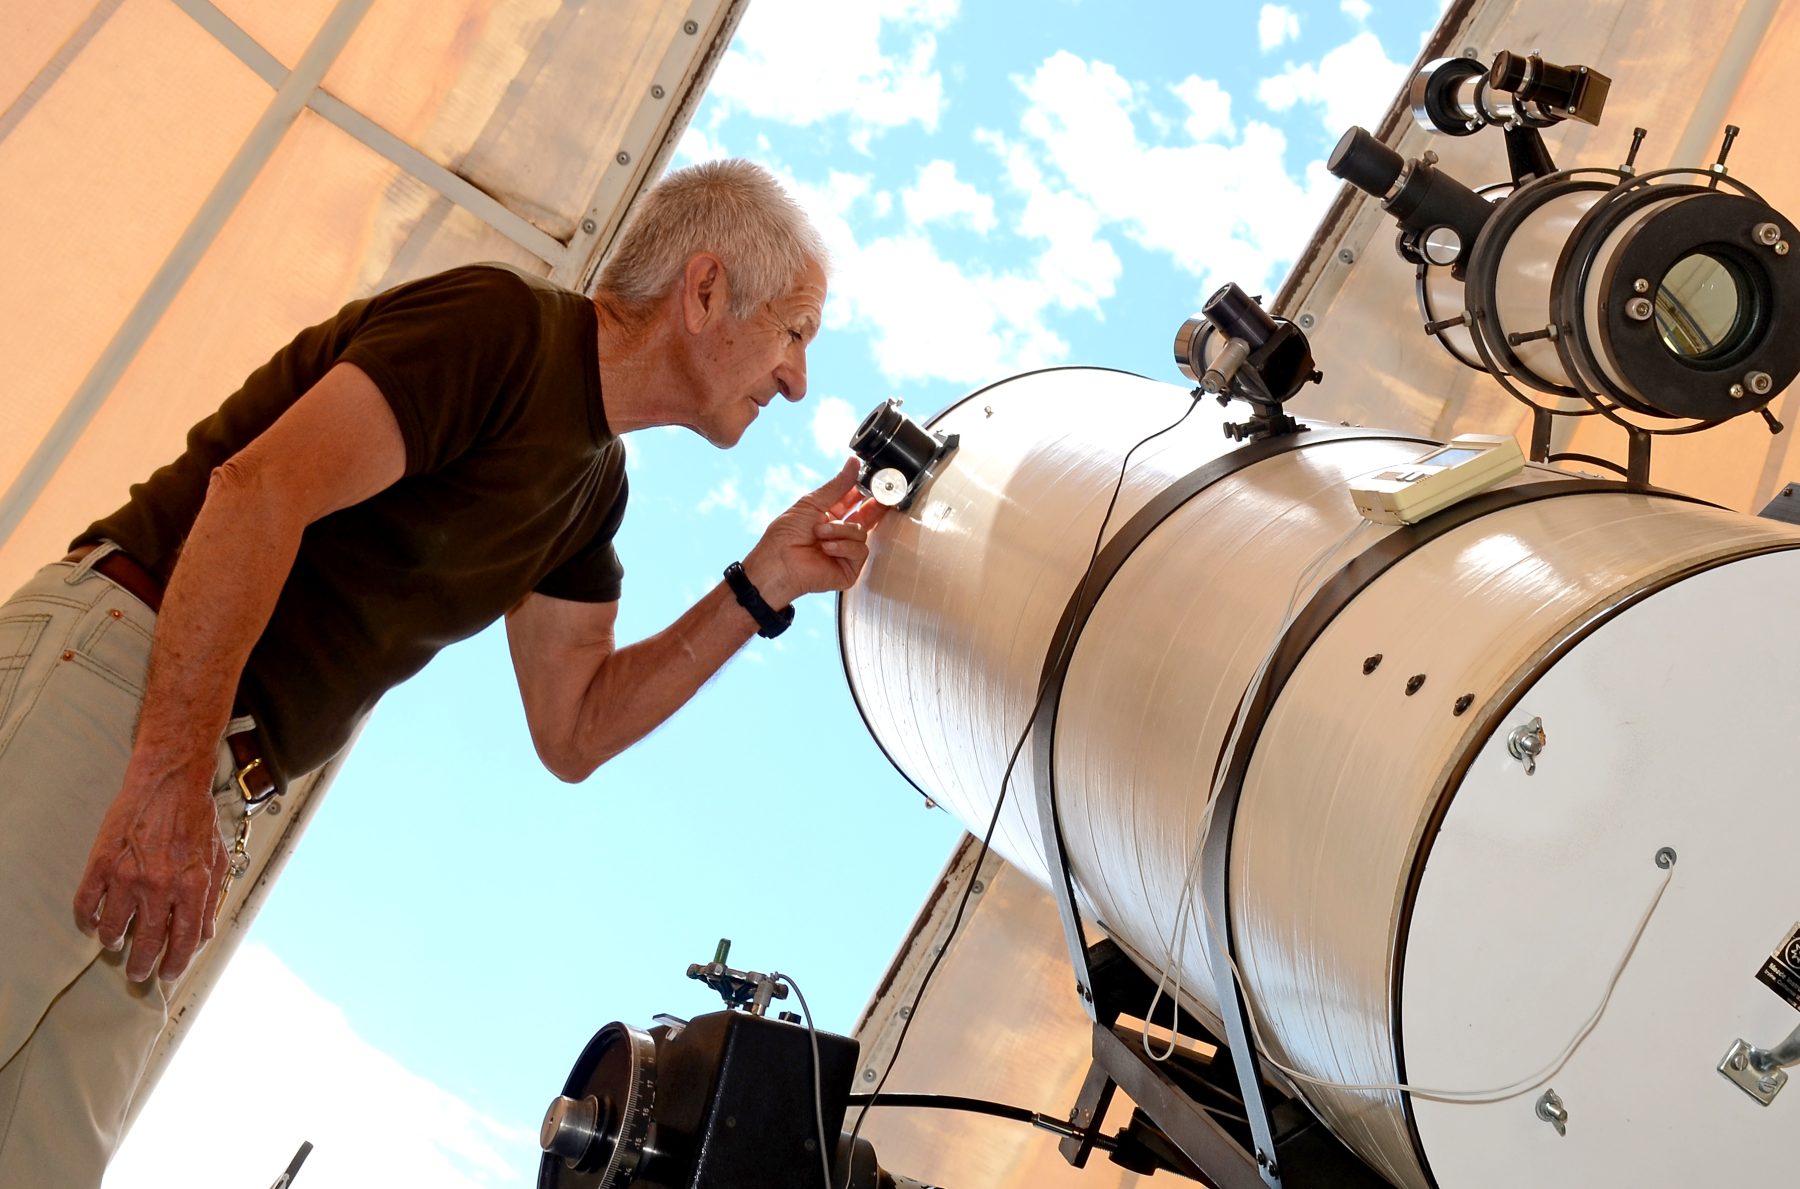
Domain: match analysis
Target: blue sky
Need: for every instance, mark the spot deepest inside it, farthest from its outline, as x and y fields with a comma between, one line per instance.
x=1003, y=186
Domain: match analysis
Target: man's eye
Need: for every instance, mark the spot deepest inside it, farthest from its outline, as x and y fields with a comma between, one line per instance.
x=795, y=335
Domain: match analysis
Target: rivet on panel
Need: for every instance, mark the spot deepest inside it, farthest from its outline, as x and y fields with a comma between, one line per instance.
x=1370, y=664
x=623, y=158
x=589, y=226
x=690, y=27
x=657, y=91
x=1463, y=703
x=1414, y=683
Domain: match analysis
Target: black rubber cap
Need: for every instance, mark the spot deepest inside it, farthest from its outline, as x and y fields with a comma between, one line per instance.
x=1365, y=163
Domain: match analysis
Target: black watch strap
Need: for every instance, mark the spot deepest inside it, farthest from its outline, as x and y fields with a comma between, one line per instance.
x=770, y=623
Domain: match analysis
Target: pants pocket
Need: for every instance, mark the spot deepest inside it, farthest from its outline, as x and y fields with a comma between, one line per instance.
x=119, y=649
x=19, y=634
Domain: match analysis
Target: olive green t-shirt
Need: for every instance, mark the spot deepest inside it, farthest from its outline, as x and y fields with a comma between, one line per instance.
x=513, y=484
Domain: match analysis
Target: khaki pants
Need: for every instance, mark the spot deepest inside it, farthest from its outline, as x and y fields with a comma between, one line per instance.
x=74, y=1032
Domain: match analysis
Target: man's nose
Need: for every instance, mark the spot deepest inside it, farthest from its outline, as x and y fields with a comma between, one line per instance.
x=792, y=376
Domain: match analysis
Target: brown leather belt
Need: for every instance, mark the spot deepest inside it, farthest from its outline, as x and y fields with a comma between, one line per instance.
x=255, y=780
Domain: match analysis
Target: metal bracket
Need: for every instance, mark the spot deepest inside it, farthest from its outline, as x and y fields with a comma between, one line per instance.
x=1758, y=1072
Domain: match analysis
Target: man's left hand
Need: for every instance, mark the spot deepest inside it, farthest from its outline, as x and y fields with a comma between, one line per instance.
x=819, y=544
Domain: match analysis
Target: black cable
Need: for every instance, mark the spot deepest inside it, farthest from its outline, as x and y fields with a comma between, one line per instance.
x=987, y=837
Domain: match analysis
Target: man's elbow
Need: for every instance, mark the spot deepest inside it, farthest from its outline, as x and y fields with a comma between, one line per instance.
x=569, y=764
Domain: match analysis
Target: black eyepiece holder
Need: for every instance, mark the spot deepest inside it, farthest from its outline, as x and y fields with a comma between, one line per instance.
x=899, y=455
x=1234, y=350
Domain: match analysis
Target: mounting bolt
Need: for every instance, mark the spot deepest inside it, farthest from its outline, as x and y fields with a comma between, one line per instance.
x=1760, y=382
x=1526, y=743
x=657, y=92
x=623, y=158
x=906, y=1013
x=1737, y=391
x=690, y=27
x=1551, y=1110
x=978, y=887
x=1766, y=234
x=1639, y=309
x=589, y=226
x=1781, y=249
x=1640, y=286
x=1347, y=256
x=868, y=1075
x=1307, y=321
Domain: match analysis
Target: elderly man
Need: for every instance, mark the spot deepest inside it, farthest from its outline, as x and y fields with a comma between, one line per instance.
x=392, y=480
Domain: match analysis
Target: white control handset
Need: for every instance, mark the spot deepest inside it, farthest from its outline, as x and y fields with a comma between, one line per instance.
x=1407, y=493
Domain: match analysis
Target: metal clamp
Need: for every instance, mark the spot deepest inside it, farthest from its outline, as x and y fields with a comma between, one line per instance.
x=1761, y=1073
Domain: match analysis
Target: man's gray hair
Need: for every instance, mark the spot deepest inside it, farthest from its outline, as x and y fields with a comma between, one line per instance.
x=732, y=208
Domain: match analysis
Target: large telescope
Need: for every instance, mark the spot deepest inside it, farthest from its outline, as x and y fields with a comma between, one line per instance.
x=1531, y=746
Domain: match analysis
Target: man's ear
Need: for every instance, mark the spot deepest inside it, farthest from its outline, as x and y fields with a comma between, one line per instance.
x=705, y=290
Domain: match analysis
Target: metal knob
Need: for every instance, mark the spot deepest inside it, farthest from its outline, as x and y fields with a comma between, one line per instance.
x=570, y=1126
x=1526, y=743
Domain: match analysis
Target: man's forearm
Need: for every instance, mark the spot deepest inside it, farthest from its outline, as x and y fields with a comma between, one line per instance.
x=639, y=686
x=221, y=594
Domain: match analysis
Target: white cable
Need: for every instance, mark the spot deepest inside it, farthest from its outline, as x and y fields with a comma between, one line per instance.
x=1175, y=947
x=818, y=1082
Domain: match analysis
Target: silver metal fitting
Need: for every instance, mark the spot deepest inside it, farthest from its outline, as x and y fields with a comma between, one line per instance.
x=1767, y=234
x=1781, y=249
x=1759, y=383
x=1526, y=743
x=1761, y=1073
x=1737, y=391
x=1639, y=309
x=1551, y=1110
x=1640, y=286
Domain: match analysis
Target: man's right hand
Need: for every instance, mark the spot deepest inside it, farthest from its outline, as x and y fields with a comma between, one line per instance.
x=158, y=862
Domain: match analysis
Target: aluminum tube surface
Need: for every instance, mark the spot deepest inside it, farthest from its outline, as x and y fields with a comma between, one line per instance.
x=1340, y=838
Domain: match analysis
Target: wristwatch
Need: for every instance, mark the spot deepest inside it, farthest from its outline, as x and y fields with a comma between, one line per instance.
x=770, y=623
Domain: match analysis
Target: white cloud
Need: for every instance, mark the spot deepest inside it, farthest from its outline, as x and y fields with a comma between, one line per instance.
x=929, y=318
x=781, y=486
x=801, y=62
x=833, y=421
x=1356, y=10
x=1351, y=84
x=939, y=195
x=372, y=1122
x=695, y=148
x=1222, y=211
x=1209, y=107
x=1275, y=25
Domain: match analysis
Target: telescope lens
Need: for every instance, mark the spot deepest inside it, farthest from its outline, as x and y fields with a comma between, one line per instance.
x=1702, y=307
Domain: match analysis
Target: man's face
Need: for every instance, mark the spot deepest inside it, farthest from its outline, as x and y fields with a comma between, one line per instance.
x=747, y=362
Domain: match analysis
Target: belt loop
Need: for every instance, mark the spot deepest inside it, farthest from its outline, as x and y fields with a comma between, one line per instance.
x=85, y=566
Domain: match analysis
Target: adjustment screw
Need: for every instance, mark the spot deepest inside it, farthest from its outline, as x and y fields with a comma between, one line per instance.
x=1639, y=309
x=1768, y=1085
x=1767, y=234
x=1760, y=382
x=1737, y=391
x=1740, y=1060
x=1640, y=286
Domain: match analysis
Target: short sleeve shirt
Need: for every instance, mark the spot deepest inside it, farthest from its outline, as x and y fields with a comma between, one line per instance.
x=513, y=484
